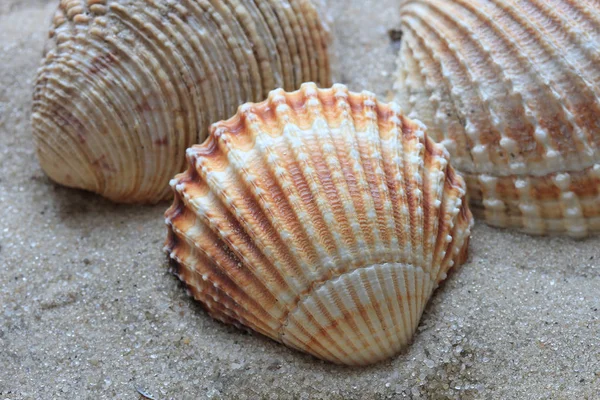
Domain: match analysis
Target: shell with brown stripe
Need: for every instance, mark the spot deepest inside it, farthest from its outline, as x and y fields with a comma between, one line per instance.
x=321, y=218
x=511, y=88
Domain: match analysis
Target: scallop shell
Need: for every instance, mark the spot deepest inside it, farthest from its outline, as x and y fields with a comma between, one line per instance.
x=129, y=85
x=511, y=89
x=322, y=219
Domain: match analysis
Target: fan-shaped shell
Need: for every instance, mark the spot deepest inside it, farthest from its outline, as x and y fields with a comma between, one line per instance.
x=129, y=85
x=511, y=88
x=322, y=219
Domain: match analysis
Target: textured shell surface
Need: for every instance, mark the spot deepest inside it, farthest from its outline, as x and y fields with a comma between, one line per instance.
x=128, y=85
x=320, y=218
x=511, y=88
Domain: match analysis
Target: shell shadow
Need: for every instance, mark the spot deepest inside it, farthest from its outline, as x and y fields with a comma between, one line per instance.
x=78, y=209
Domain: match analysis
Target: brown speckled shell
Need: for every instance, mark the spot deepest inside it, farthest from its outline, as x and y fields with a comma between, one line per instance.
x=512, y=89
x=322, y=219
x=129, y=85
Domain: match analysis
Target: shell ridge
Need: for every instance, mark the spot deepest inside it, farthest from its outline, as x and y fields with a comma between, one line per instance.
x=107, y=76
x=400, y=203
x=469, y=128
x=287, y=15
x=288, y=39
x=275, y=257
x=345, y=187
x=202, y=47
x=460, y=235
x=400, y=293
x=55, y=147
x=408, y=283
x=130, y=70
x=540, y=77
x=170, y=64
x=319, y=38
x=454, y=236
x=550, y=85
x=238, y=277
x=201, y=289
x=286, y=184
x=267, y=275
x=393, y=309
x=346, y=330
x=302, y=268
x=63, y=117
x=160, y=30
x=387, y=166
x=284, y=58
x=427, y=168
x=365, y=141
x=302, y=36
x=438, y=198
x=444, y=221
x=193, y=60
x=327, y=181
x=576, y=71
x=372, y=159
x=339, y=224
x=205, y=11
x=357, y=144
x=470, y=141
x=290, y=338
x=266, y=14
x=57, y=90
x=315, y=221
x=313, y=320
x=357, y=295
x=226, y=12
x=407, y=184
x=287, y=233
x=382, y=322
x=249, y=305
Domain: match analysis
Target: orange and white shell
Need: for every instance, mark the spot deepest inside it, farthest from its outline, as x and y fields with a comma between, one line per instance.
x=511, y=88
x=129, y=85
x=322, y=219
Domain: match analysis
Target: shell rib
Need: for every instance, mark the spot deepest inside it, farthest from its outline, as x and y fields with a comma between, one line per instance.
x=511, y=88
x=129, y=85
x=322, y=219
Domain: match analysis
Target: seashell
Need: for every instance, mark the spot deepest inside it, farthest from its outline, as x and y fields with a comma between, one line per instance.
x=511, y=89
x=129, y=85
x=322, y=219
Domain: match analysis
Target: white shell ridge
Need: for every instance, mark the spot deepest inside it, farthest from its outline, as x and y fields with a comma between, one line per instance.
x=321, y=218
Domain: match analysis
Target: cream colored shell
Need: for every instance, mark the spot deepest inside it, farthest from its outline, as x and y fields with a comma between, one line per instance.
x=322, y=219
x=511, y=89
x=130, y=84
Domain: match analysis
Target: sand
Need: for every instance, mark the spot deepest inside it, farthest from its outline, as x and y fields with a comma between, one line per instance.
x=89, y=310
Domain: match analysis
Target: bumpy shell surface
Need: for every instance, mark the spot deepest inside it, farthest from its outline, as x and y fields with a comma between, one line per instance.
x=511, y=89
x=320, y=218
x=129, y=85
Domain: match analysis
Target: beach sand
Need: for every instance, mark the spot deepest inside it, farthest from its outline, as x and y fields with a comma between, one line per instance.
x=89, y=310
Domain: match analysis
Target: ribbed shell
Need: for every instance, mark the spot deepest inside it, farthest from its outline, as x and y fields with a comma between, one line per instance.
x=511, y=88
x=129, y=85
x=322, y=219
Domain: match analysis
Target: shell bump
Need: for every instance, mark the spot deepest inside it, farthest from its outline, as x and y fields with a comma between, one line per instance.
x=320, y=218
x=128, y=85
x=511, y=88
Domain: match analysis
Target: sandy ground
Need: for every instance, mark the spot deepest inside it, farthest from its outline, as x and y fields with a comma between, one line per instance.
x=88, y=309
